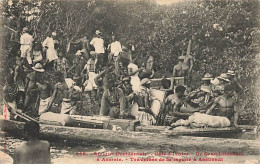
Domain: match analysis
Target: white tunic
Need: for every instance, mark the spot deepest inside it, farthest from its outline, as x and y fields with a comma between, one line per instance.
x=98, y=44
x=51, y=53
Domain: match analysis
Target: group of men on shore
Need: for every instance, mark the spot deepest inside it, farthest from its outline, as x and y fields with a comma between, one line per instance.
x=112, y=73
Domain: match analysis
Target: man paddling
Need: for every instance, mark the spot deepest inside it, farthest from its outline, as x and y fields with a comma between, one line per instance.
x=35, y=151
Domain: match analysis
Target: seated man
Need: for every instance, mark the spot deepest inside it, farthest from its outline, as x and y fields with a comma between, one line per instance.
x=225, y=104
x=173, y=104
x=113, y=99
x=202, y=98
x=142, y=98
x=35, y=151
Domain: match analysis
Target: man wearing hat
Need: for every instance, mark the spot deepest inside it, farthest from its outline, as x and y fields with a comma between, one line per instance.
x=26, y=45
x=113, y=99
x=51, y=53
x=225, y=104
x=234, y=81
x=98, y=44
x=180, y=69
x=142, y=98
x=31, y=89
x=223, y=80
x=202, y=98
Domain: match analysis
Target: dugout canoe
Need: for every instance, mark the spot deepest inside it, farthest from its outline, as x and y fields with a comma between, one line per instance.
x=144, y=138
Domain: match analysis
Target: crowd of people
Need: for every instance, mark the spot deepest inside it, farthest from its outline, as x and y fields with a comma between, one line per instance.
x=109, y=75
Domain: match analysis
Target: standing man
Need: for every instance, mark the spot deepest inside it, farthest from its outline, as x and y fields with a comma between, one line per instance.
x=180, y=69
x=98, y=44
x=115, y=49
x=26, y=45
x=31, y=88
x=90, y=68
x=51, y=53
x=35, y=151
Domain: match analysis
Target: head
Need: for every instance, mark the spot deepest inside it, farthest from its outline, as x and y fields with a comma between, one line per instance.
x=25, y=30
x=181, y=59
x=98, y=33
x=53, y=34
x=231, y=74
x=179, y=90
x=31, y=130
x=60, y=77
x=113, y=38
x=228, y=90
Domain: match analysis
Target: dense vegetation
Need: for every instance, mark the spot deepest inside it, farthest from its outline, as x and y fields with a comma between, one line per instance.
x=225, y=34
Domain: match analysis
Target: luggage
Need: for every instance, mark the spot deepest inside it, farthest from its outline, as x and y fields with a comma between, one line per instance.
x=94, y=122
x=124, y=124
x=51, y=118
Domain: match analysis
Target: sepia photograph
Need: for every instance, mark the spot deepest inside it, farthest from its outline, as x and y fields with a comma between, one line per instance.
x=129, y=81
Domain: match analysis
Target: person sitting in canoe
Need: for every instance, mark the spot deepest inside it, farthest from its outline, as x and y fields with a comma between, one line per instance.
x=35, y=151
x=142, y=98
x=113, y=99
x=225, y=104
x=200, y=99
x=172, y=106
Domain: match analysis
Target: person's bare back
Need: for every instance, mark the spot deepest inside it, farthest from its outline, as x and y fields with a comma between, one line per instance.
x=33, y=152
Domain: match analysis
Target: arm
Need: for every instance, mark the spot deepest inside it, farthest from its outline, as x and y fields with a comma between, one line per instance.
x=213, y=106
x=52, y=97
x=103, y=107
x=15, y=74
x=191, y=64
x=122, y=102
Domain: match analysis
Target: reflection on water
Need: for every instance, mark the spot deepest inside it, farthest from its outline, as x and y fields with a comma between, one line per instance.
x=70, y=152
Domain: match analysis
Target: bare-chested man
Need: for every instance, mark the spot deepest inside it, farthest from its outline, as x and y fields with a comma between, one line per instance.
x=31, y=87
x=35, y=151
x=60, y=94
x=225, y=104
x=44, y=89
x=173, y=104
x=180, y=69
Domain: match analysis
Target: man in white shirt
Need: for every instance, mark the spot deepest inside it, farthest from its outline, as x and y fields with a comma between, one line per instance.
x=98, y=44
x=115, y=49
x=26, y=45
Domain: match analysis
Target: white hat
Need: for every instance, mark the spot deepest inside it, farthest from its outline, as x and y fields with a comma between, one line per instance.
x=207, y=76
x=98, y=32
x=224, y=77
x=53, y=33
x=38, y=67
x=79, y=52
x=231, y=72
x=25, y=29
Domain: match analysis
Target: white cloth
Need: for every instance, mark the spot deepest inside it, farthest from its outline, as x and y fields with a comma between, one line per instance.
x=87, y=66
x=66, y=108
x=51, y=53
x=133, y=67
x=145, y=118
x=98, y=44
x=91, y=84
x=43, y=105
x=116, y=48
x=26, y=46
x=69, y=82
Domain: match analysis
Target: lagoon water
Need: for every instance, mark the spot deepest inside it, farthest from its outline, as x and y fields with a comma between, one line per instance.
x=67, y=152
